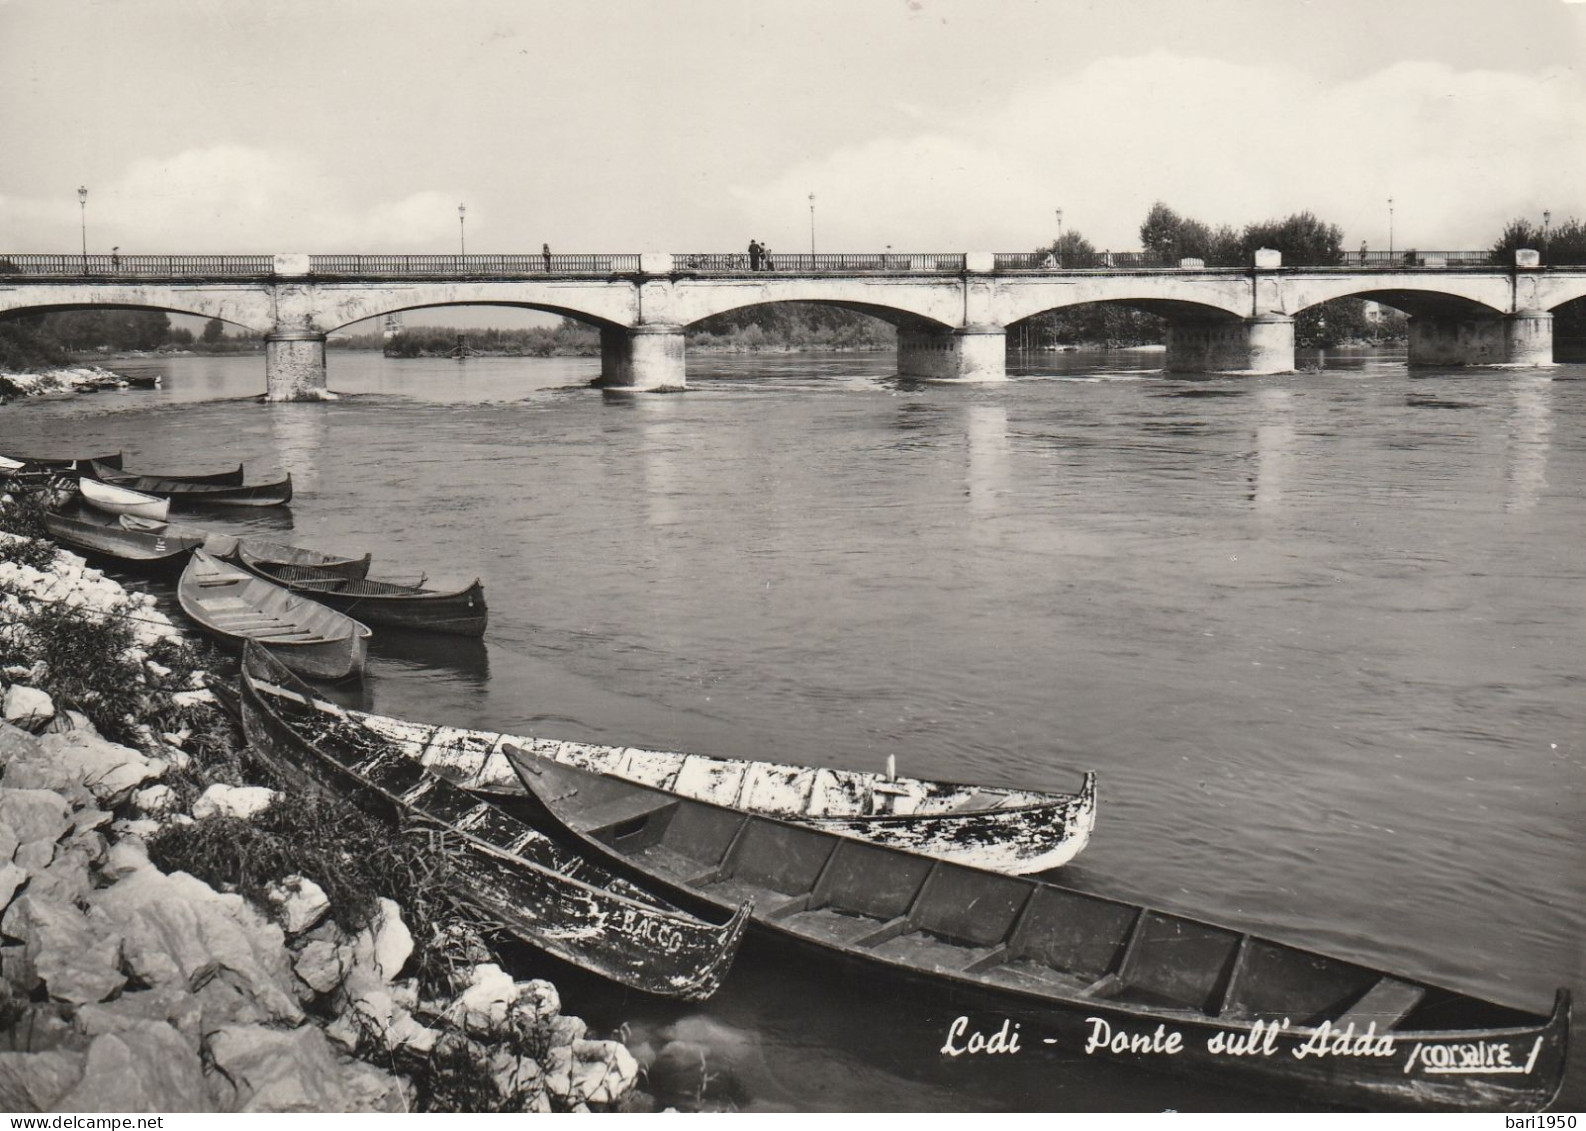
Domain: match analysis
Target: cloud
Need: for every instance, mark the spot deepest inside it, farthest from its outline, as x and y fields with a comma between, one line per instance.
x=237, y=199
x=1459, y=151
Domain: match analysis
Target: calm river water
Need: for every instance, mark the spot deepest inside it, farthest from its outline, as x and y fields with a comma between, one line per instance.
x=1323, y=636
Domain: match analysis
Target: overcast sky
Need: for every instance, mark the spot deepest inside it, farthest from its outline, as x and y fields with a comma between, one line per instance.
x=928, y=125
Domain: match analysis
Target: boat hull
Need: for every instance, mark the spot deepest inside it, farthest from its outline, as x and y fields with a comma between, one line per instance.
x=386, y=603
x=1022, y=833
x=81, y=531
x=115, y=499
x=187, y=493
x=98, y=469
x=235, y=607
x=1021, y=956
x=543, y=893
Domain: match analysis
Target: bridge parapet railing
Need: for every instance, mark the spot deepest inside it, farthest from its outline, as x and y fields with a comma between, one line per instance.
x=1090, y=261
x=468, y=266
x=150, y=267
x=1385, y=260
x=896, y=262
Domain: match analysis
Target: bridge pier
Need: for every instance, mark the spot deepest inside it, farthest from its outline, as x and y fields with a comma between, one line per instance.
x=1523, y=339
x=294, y=366
x=1253, y=346
x=968, y=353
x=645, y=359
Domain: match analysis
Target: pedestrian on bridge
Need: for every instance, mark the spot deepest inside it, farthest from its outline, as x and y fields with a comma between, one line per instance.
x=545, y=253
x=754, y=255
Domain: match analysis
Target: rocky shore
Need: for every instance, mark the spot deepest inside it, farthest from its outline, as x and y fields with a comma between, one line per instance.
x=231, y=982
x=60, y=380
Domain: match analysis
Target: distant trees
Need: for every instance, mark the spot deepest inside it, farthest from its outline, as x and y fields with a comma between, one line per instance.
x=1169, y=237
x=214, y=330
x=1561, y=245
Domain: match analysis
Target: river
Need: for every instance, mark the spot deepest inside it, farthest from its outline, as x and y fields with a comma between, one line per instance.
x=1322, y=636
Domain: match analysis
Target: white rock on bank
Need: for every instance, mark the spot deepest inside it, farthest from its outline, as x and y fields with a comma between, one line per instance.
x=27, y=707
x=301, y=903
x=154, y=800
x=242, y=801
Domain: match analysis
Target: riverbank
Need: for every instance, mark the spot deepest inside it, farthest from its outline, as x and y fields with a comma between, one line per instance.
x=185, y=933
x=60, y=380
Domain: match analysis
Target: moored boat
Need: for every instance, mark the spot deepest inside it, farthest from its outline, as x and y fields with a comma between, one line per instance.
x=1067, y=972
x=123, y=500
x=99, y=470
x=460, y=612
x=544, y=893
x=273, y=494
x=235, y=607
x=1006, y=830
x=227, y=546
x=84, y=528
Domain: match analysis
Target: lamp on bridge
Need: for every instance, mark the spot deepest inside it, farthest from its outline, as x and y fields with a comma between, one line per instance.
x=1390, y=227
x=812, y=231
x=462, y=229
x=1059, y=247
x=82, y=205
x=1547, y=221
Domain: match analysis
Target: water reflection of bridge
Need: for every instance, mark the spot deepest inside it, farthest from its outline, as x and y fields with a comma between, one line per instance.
x=951, y=310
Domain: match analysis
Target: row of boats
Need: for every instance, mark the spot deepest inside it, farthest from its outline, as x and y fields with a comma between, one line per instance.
x=314, y=608
x=651, y=868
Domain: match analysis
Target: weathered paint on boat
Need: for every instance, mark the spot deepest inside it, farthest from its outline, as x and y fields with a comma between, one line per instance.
x=1084, y=972
x=1005, y=830
x=544, y=893
x=236, y=607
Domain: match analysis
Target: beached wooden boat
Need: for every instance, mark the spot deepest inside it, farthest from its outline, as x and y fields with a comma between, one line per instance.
x=547, y=895
x=1067, y=972
x=98, y=470
x=188, y=493
x=227, y=546
x=123, y=500
x=234, y=607
x=461, y=612
x=84, y=528
x=1004, y=830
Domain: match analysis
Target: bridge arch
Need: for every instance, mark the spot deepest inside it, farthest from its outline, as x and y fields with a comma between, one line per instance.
x=593, y=301
x=1213, y=297
x=250, y=310
x=931, y=304
x=1447, y=296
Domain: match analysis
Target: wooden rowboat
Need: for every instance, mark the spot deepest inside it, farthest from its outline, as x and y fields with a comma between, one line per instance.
x=123, y=500
x=182, y=491
x=1004, y=830
x=545, y=894
x=98, y=470
x=1067, y=973
x=227, y=546
x=461, y=612
x=84, y=528
x=235, y=607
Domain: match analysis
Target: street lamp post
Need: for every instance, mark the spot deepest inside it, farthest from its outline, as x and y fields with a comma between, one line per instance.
x=82, y=206
x=1547, y=221
x=462, y=229
x=1059, y=248
x=812, y=231
x=1390, y=228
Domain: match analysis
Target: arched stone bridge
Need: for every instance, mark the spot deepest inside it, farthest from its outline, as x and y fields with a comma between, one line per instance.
x=951, y=311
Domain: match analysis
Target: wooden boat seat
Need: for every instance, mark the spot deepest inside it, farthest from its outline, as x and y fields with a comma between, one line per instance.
x=838, y=928
x=921, y=948
x=685, y=869
x=1387, y=1003
x=621, y=810
x=1027, y=974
